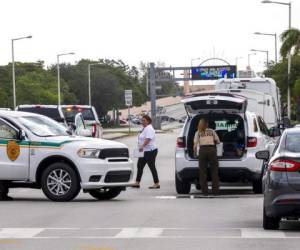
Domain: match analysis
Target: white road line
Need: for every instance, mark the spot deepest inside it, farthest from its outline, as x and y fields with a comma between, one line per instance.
x=144, y=232
x=261, y=233
x=140, y=233
x=20, y=232
x=166, y=197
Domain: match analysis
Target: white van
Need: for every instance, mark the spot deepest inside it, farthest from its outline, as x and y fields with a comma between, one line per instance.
x=259, y=103
x=242, y=133
x=265, y=90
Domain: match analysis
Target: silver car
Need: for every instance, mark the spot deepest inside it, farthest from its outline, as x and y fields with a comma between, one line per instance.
x=281, y=180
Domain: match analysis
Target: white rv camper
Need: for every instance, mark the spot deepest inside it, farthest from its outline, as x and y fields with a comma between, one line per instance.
x=262, y=93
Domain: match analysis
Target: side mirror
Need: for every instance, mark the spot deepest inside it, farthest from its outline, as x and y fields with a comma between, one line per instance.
x=263, y=155
x=85, y=133
x=21, y=135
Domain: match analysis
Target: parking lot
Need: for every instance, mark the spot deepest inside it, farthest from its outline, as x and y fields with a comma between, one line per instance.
x=143, y=219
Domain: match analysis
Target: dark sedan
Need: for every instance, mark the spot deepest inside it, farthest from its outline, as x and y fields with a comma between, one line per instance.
x=281, y=180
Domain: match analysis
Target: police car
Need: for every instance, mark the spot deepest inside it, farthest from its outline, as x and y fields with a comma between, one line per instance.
x=38, y=152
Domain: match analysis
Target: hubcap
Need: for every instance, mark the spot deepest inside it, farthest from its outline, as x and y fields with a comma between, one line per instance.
x=59, y=182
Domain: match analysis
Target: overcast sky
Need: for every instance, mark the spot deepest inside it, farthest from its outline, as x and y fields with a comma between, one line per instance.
x=172, y=31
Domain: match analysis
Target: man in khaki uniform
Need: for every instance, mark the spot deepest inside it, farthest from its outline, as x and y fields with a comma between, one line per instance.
x=205, y=141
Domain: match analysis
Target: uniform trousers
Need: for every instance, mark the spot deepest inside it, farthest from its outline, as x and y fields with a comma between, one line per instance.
x=208, y=157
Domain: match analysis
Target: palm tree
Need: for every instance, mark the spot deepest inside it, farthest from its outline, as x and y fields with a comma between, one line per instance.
x=290, y=39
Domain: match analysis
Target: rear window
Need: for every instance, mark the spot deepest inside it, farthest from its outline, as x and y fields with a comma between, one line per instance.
x=71, y=112
x=49, y=112
x=292, y=142
x=215, y=104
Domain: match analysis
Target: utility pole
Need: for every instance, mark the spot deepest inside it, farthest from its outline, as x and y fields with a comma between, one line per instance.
x=153, y=95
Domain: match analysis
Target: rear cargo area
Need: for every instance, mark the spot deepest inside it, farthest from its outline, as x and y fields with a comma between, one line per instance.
x=230, y=129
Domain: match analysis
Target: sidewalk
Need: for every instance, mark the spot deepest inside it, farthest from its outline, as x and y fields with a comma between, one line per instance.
x=117, y=133
x=114, y=136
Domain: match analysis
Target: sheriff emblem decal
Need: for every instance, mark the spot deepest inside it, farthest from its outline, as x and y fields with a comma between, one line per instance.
x=13, y=150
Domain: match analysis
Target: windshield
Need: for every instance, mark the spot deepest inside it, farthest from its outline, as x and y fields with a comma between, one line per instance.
x=49, y=112
x=43, y=126
x=71, y=112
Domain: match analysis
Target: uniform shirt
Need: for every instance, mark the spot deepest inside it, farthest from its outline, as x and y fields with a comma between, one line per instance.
x=208, y=137
x=147, y=133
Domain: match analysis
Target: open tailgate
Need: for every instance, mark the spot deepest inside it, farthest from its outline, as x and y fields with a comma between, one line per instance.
x=210, y=102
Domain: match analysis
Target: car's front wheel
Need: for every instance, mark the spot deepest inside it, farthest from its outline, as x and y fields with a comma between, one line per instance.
x=105, y=194
x=270, y=223
x=182, y=187
x=60, y=182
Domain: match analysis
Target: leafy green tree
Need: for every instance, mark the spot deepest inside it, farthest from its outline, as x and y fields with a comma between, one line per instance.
x=109, y=79
x=290, y=41
x=296, y=97
x=34, y=85
x=279, y=73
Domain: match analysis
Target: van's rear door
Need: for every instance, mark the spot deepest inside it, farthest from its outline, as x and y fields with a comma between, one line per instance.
x=214, y=102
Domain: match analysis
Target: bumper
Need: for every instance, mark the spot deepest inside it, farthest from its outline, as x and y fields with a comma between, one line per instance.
x=225, y=174
x=247, y=168
x=284, y=206
x=96, y=173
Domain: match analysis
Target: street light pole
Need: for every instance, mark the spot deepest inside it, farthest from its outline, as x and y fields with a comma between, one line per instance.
x=289, y=55
x=275, y=38
x=13, y=68
x=289, y=66
x=236, y=60
x=249, y=59
x=89, y=81
x=89, y=76
x=58, y=80
x=265, y=51
x=58, y=75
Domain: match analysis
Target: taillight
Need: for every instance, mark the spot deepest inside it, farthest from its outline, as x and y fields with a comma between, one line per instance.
x=180, y=143
x=94, y=130
x=283, y=165
x=251, y=142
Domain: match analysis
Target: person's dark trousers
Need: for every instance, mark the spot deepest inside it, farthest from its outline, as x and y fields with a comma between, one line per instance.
x=208, y=156
x=3, y=189
x=149, y=158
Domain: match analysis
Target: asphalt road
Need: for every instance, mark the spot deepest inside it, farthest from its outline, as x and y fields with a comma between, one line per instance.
x=143, y=219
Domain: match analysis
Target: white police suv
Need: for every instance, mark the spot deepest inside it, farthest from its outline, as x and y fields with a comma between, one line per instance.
x=37, y=152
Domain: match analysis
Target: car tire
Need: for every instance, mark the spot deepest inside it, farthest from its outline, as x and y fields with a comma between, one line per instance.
x=182, y=187
x=257, y=186
x=105, y=194
x=60, y=182
x=270, y=223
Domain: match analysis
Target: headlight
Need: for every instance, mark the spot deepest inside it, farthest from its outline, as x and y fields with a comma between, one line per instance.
x=88, y=153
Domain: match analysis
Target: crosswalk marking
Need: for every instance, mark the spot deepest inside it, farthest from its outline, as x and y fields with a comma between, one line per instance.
x=139, y=233
x=144, y=232
x=261, y=233
x=200, y=196
x=20, y=233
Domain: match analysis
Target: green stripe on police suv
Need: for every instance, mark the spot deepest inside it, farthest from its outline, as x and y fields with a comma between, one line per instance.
x=37, y=144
